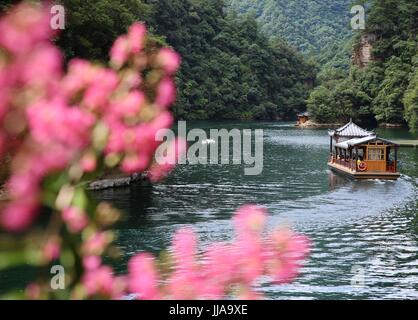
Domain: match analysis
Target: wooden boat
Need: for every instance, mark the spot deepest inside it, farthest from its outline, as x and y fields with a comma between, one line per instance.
x=360, y=154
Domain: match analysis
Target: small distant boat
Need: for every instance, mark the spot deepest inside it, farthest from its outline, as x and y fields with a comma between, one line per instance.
x=360, y=154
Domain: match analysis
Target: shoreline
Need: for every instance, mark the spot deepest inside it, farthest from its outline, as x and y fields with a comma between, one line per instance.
x=312, y=124
x=110, y=182
x=116, y=182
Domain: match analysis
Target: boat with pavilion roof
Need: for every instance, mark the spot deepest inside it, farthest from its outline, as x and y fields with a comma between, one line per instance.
x=361, y=154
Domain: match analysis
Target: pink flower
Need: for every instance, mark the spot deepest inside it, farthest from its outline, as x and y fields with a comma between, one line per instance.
x=250, y=219
x=184, y=285
x=186, y=280
x=158, y=172
x=184, y=248
x=2, y=144
x=4, y=99
x=167, y=163
x=88, y=162
x=75, y=218
x=163, y=121
x=169, y=60
x=219, y=270
x=135, y=163
x=92, y=262
x=41, y=66
x=129, y=105
x=19, y=215
x=249, y=257
x=96, y=243
x=80, y=74
x=285, y=272
x=23, y=185
x=116, y=141
x=99, y=282
x=136, y=37
x=23, y=27
x=286, y=252
x=166, y=93
x=104, y=82
x=119, y=53
x=52, y=249
x=33, y=291
x=55, y=122
x=247, y=293
x=143, y=277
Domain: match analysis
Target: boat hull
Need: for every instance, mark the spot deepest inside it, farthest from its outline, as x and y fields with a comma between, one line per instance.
x=363, y=175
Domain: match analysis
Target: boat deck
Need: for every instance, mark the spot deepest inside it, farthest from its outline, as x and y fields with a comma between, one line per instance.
x=363, y=175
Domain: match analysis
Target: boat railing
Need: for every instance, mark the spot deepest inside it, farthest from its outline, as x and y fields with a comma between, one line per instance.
x=348, y=163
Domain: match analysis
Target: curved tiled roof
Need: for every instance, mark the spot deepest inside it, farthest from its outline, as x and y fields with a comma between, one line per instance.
x=351, y=130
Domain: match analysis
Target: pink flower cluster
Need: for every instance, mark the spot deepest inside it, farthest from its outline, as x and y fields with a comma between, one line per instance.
x=99, y=281
x=50, y=118
x=222, y=267
x=222, y=270
x=80, y=120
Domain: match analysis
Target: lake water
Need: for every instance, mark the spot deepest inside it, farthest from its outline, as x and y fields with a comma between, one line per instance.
x=365, y=233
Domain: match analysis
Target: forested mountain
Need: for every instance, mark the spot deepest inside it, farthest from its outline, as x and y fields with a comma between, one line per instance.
x=236, y=66
x=311, y=26
x=386, y=90
x=230, y=70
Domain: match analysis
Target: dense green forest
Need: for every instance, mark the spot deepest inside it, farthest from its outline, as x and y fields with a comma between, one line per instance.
x=385, y=91
x=238, y=61
x=317, y=28
x=230, y=70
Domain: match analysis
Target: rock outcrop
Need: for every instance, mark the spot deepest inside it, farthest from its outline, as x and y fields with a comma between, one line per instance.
x=362, y=53
x=117, y=182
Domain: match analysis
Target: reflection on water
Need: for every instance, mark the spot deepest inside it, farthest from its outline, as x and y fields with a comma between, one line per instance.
x=370, y=225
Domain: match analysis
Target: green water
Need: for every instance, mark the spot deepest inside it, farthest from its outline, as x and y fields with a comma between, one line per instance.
x=359, y=228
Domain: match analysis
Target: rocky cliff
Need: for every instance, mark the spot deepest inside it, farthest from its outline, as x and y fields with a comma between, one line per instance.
x=362, y=53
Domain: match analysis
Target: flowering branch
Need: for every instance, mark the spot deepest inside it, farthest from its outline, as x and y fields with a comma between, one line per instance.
x=63, y=128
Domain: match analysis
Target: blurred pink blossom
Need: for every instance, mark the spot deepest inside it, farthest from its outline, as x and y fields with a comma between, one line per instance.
x=53, y=121
x=75, y=218
x=91, y=262
x=169, y=60
x=136, y=37
x=23, y=28
x=19, y=215
x=88, y=162
x=96, y=243
x=166, y=93
x=128, y=106
x=119, y=53
x=222, y=267
x=99, y=281
x=52, y=249
x=143, y=277
x=174, y=151
x=250, y=219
